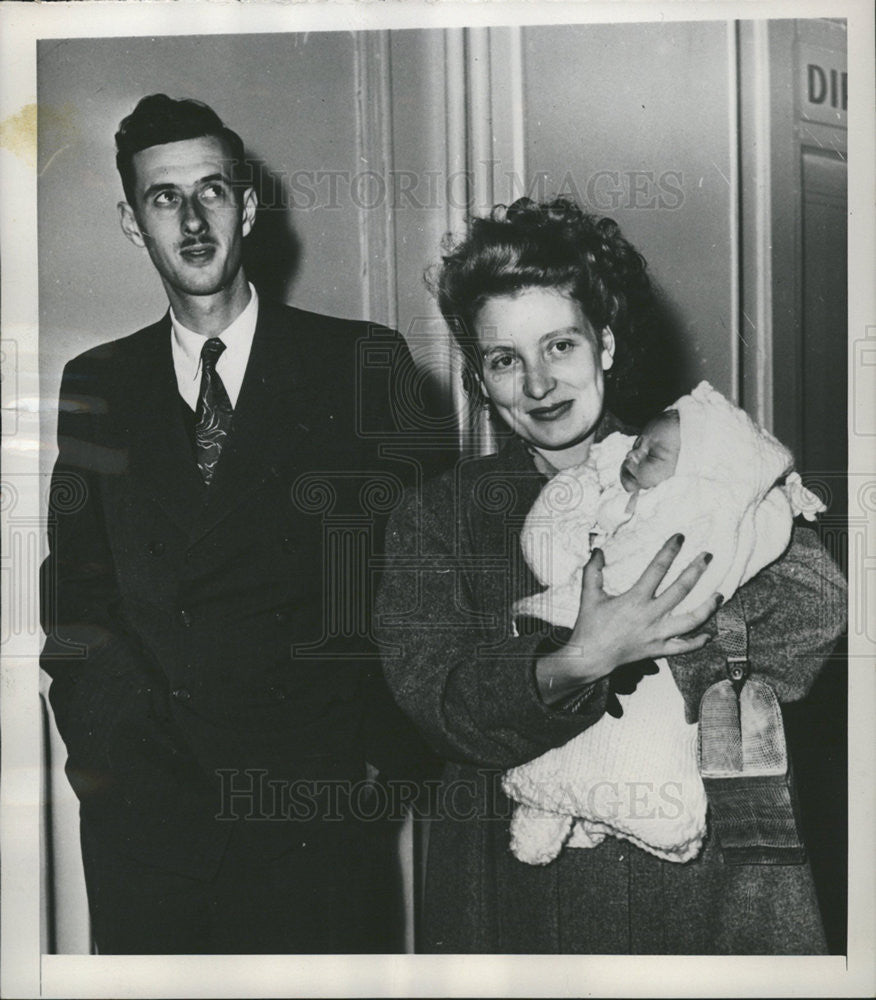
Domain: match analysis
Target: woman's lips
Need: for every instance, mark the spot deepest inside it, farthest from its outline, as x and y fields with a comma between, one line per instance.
x=546, y=413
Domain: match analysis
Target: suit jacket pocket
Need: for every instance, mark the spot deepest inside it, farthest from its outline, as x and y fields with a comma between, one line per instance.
x=89, y=710
x=107, y=703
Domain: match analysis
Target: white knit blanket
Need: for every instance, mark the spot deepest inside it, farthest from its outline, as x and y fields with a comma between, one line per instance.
x=636, y=777
x=610, y=781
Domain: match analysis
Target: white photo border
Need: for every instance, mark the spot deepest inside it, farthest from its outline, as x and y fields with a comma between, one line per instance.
x=25, y=972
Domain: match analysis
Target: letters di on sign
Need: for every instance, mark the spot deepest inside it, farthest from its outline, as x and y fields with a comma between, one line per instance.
x=823, y=87
x=818, y=86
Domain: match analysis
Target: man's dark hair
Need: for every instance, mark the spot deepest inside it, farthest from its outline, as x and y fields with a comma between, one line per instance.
x=159, y=119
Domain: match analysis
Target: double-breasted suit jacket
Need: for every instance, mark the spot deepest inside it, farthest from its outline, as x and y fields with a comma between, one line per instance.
x=207, y=641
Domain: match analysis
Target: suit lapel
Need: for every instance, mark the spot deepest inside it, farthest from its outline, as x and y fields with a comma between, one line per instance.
x=269, y=418
x=160, y=453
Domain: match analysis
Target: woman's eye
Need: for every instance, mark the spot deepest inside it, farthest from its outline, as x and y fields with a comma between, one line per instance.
x=500, y=361
x=562, y=346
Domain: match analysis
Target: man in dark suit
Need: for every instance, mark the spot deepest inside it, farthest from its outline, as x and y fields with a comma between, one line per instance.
x=217, y=496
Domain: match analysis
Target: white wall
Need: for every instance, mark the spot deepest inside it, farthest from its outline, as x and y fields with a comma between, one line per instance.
x=637, y=119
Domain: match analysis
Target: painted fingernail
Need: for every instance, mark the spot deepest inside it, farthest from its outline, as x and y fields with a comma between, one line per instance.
x=679, y=539
x=707, y=558
x=719, y=600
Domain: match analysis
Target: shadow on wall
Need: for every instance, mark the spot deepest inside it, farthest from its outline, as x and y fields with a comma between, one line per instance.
x=675, y=367
x=665, y=365
x=817, y=731
x=272, y=251
x=272, y=258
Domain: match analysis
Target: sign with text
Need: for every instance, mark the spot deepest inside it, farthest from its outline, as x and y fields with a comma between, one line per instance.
x=822, y=85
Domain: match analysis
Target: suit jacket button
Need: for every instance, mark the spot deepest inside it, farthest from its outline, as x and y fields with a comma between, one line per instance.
x=155, y=548
x=185, y=618
x=287, y=545
x=277, y=692
x=182, y=694
x=280, y=617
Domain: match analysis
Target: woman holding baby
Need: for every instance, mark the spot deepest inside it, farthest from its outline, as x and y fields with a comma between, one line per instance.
x=550, y=307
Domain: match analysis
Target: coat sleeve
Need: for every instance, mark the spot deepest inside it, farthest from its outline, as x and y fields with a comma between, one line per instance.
x=795, y=610
x=453, y=666
x=99, y=668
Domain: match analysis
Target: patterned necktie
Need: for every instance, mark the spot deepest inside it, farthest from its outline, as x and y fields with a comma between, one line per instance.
x=214, y=412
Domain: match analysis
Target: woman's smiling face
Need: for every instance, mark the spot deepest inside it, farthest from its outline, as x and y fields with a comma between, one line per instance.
x=543, y=365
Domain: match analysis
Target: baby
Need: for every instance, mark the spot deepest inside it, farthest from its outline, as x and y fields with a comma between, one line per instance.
x=654, y=454
x=702, y=468
x=587, y=503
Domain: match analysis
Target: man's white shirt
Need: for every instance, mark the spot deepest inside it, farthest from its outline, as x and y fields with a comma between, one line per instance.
x=186, y=347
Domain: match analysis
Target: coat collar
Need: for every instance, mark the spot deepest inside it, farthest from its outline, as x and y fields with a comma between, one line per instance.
x=508, y=482
x=515, y=455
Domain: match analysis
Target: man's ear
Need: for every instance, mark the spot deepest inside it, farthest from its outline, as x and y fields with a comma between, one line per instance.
x=130, y=226
x=607, y=356
x=250, y=204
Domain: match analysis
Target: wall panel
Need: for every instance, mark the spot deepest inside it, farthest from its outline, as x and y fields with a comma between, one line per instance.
x=634, y=120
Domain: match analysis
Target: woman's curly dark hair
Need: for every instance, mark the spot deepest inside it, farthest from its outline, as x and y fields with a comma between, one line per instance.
x=551, y=245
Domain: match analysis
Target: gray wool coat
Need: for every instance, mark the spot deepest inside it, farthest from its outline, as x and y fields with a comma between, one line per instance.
x=456, y=667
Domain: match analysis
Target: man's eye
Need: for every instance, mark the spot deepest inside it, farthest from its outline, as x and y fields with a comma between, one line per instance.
x=562, y=346
x=165, y=198
x=213, y=192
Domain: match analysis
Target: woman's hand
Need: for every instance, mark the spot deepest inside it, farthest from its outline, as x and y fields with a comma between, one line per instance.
x=632, y=626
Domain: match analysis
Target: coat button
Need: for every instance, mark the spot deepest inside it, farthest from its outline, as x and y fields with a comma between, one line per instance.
x=287, y=545
x=277, y=692
x=182, y=694
x=185, y=618
x=155, y=547
x=280, y=617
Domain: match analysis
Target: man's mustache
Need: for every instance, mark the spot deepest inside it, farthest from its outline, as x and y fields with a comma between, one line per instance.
x=192, y=243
